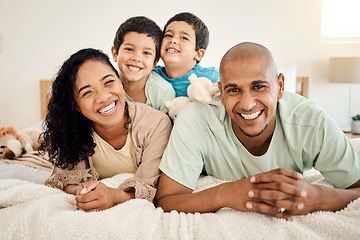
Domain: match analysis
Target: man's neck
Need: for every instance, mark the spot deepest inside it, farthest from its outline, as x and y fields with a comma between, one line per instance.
x=256, y=145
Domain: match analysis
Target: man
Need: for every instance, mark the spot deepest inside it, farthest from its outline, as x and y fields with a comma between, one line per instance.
x=259, y=138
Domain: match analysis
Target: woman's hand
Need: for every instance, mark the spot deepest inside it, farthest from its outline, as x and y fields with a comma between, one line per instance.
x=95, y=196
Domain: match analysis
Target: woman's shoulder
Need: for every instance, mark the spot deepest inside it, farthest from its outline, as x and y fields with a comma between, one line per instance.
x=142, y=112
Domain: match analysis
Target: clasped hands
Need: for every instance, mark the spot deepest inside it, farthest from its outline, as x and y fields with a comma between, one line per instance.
x=280, y=193
x=93, y=196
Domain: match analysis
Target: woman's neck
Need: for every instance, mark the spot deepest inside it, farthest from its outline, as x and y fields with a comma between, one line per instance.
x=114, y=135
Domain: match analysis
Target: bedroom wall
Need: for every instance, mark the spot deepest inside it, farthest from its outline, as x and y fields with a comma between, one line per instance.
x=37, y=36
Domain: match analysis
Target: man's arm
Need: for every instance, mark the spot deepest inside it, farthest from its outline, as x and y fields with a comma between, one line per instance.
x=171, y=195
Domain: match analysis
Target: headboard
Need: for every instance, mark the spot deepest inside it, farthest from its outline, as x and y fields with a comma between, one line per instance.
x=302, y=88
x=45, y=93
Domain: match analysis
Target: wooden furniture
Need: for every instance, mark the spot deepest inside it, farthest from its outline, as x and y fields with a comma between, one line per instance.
x=350, y=135
x=45, y=93
x=302, y=86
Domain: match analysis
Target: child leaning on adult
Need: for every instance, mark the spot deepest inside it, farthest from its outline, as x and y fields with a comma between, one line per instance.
x=92, y=132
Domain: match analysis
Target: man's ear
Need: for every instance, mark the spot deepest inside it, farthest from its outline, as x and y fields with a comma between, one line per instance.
x=280, y=83
x=114, y=53
x=199, y=54
x=221, y=92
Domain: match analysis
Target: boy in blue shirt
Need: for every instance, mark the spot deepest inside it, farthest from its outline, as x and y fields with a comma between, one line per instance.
x=184, y=42
x=136, y=50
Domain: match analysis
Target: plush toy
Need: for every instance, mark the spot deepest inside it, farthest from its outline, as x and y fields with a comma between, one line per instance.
x=14, y=143
x=200, y=89
x=175, y=105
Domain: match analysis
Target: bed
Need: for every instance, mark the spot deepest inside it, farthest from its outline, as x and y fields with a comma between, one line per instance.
x=31, y=210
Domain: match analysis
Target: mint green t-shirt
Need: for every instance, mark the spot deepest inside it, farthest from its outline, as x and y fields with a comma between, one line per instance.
x=203, y=141
x=157, y=92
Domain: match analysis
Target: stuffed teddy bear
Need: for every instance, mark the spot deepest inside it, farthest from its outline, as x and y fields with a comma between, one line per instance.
x=14, y=143
x=200, y=89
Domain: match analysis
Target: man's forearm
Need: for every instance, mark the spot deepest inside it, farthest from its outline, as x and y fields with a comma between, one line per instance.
x=334, y=199
x=209, y=200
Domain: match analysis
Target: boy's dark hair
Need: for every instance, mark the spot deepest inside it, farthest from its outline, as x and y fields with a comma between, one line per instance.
x=201, y=30
x=139, y=24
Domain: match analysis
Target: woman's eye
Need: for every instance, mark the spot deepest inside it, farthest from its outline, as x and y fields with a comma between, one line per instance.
x=108, y=82
x=86, y=93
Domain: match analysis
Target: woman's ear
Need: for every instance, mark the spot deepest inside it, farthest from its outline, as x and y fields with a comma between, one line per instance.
x=114, y=53
x=77, y=108
x=199, y=54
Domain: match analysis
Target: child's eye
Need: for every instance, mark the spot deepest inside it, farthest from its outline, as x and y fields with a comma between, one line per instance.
x=129, y=49
x=184, y=38
x=167, y=36
x=147, y=53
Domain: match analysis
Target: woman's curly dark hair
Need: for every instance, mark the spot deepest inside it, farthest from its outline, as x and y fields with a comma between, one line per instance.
x=68, y=134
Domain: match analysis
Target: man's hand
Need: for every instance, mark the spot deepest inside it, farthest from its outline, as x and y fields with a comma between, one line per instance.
x=283, y=190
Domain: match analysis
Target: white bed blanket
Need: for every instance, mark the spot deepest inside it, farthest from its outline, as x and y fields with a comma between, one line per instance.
x=35, y=211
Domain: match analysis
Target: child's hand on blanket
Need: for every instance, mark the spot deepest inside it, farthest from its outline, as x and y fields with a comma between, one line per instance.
x=95, y=196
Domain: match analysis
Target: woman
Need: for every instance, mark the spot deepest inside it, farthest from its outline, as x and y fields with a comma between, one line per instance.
x=92, y=132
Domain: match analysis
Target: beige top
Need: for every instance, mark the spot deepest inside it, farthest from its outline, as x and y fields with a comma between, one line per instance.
x=108, y=161
x=149, y=136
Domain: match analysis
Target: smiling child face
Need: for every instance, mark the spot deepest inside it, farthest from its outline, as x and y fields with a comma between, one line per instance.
x=135, y=57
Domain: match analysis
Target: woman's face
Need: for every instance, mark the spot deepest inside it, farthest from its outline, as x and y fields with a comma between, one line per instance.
x=99, y=94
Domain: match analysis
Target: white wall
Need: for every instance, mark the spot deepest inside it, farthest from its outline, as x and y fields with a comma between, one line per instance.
x=38, y=35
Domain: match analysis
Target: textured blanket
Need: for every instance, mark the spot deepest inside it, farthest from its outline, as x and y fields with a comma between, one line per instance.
x=35, y=211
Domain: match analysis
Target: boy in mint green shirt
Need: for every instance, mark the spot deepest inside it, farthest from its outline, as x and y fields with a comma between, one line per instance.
x=260, y=139
x=136, y=50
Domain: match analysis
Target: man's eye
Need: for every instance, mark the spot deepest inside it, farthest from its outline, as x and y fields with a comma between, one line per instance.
x=258, y=87
x=233, y=90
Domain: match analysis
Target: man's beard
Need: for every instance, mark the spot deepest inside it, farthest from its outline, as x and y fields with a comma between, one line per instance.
x=254, y=135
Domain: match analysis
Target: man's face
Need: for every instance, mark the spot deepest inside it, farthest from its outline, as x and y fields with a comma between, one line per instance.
x=249, y=91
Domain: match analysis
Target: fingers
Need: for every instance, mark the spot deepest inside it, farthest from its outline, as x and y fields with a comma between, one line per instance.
x=88, y=198
x=277, y=190
x=268, y=209
x=276, y=175
x=88, y=187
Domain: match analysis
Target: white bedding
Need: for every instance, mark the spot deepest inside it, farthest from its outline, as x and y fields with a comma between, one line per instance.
x=35, y=211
